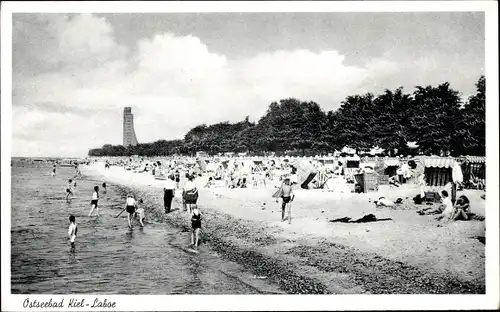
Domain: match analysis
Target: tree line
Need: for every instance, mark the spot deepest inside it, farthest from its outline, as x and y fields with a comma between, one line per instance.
x=433, y=116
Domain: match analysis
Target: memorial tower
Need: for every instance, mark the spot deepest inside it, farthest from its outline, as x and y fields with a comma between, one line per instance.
x=129, y=137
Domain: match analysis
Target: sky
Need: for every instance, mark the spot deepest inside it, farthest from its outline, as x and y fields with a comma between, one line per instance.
x=74, y=73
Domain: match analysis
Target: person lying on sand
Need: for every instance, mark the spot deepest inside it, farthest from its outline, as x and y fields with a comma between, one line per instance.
x=384, y=202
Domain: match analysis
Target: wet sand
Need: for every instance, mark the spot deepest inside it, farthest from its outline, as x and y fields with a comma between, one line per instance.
x=409, y=254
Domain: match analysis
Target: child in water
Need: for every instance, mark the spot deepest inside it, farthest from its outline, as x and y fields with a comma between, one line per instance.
x=93, y=202
x=72, y=231
x=69, y=192
x=140, y=213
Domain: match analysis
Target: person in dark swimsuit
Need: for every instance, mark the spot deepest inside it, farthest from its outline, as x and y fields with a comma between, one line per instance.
x=287, y=196
x=196, y=225
x=93, y=202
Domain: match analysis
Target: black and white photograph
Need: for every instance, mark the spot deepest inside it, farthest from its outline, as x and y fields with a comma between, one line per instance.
x=249, y=149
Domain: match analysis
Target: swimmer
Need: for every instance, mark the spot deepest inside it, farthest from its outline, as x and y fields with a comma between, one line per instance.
x=72, y=231
x=93, y=202
x=69, y=192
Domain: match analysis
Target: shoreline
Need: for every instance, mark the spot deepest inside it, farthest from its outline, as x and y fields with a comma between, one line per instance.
x=298, y=263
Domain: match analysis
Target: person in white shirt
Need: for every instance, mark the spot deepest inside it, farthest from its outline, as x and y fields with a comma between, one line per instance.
x=131, y=205
x=93, y=202
x=190, y=193
x=169, y=193
x=446, y=207
x=72, y=231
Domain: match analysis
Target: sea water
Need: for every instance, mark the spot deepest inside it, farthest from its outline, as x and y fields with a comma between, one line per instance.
x=109, y=257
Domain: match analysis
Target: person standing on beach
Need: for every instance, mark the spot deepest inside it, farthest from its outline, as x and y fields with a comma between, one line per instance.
x=54, y=170
x=131, y=206
x=196, y=225
x=69, y=191
x=287, y=196
x=177, y=178
x=72, y=231
x=93, y=202
x=168, y=193
x=190, y=193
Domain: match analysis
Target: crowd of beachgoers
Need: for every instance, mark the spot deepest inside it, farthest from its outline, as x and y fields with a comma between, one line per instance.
x=236, y=203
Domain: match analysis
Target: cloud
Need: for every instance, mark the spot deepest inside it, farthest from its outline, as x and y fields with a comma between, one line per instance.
x=70, y=92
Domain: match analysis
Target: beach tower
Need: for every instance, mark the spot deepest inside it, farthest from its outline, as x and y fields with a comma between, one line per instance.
x=129, y=137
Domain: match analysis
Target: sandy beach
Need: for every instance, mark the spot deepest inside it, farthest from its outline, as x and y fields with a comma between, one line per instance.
x=408, y=254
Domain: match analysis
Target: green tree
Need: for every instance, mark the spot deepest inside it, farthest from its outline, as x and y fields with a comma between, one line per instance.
x=433, y=118
x=473, y=126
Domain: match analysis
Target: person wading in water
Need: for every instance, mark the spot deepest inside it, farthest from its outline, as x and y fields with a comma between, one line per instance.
x=72, y=231
x=131, y=206
x=93, y=202
x=69, y=191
